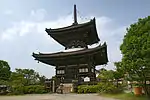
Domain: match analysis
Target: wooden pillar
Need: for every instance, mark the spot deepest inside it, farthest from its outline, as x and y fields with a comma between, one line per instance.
x=90, y=66
x=53, y=86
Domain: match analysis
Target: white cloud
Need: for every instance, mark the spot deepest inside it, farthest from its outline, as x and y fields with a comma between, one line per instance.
x=8, y=12
x=38, y=15
x=112, y=34
x=28, y=36
x=18, y=29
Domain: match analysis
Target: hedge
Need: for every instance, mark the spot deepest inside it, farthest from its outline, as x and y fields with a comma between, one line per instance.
x=87, y=88
x=100, y=88
x=32, y=89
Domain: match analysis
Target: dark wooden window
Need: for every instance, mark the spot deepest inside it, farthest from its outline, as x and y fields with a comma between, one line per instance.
x=92, y=70
x=82, y=70
x=60, y=71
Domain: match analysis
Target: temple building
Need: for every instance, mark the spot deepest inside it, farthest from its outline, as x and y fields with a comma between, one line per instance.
x=76, y=62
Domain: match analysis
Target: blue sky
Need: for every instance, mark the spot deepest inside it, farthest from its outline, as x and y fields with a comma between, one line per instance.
x=23, y=23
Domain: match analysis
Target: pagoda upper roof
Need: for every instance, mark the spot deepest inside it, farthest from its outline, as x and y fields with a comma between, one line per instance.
x=98, y=54
x=85, y=32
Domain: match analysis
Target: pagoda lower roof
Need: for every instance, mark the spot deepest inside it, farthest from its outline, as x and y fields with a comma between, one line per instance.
x=98, y=55
x=85, y=32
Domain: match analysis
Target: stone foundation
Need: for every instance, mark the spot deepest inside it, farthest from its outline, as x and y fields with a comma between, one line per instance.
x=68, y=88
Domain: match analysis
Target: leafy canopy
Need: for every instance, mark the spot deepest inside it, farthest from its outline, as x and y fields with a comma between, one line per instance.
x=136, y=48
x=4, y=70
x=25, y=77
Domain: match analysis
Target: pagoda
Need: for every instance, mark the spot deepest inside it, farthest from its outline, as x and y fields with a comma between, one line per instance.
x=76, y=61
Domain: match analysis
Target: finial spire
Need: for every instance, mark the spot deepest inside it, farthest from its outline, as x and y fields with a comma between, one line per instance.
x=75, y=15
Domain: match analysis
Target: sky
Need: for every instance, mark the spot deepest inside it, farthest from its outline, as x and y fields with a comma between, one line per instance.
x=23, y=23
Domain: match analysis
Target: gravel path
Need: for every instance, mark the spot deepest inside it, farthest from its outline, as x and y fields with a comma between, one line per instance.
x=56, y=97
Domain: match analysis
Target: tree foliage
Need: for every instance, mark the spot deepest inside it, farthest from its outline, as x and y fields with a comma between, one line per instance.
x=26, y=77
x=4, y=70
x=106, y=75
x=21, y=81
x=109, y=75
x=136, y=51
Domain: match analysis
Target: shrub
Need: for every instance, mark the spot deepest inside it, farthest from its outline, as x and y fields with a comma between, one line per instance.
x=34, y=89
x=101, y=87
x=87, y=89
x=17, y=90
x=109, y=87
x=37, y=89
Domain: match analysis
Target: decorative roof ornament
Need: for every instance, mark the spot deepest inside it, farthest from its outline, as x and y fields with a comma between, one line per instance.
x=75, y=16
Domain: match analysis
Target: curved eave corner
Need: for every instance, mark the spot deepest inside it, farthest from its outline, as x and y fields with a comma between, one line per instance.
x=106, y=53
x=35, y=56
x=98, y=39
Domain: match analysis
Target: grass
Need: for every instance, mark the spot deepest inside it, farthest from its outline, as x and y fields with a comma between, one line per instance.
x=125, y=96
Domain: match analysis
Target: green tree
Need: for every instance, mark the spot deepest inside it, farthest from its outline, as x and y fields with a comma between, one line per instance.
x=42, y=80
x=26, y=77
x=106, y=75
x=136, y=52
x=18, y=79
x=4, y=70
